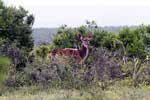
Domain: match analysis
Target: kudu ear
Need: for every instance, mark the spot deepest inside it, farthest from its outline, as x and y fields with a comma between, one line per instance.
x=79, y=36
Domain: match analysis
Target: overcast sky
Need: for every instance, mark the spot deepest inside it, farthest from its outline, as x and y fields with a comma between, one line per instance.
x=53, y=13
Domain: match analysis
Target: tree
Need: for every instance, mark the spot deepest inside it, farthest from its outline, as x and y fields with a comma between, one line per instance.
x=16, y=29
x=65, y=39
x=16, y=26
x=147, y=29
x=98, y=38
x=91, y=25
x=133, y=42
x=147, y=41
x=110, y=41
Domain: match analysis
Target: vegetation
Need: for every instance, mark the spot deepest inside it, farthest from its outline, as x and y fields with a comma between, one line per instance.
x=15, y=25
x=4, y=66
x=114, y=93
x=15, y=33
x=117, y=66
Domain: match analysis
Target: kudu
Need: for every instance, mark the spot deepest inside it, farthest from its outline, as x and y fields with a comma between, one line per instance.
x=79, y=55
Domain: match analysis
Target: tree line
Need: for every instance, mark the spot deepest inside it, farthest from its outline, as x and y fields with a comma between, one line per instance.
x=129, y=49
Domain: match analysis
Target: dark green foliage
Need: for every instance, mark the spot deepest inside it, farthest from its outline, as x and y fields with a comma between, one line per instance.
x=146, y=37
x=16, y=26
x=124, y=36
x=110, y=41
x=133, y=42
x=67, y=39
x=98, y=38
x=2, y=41
x=15, y=35
x=147, y=28
x=82, y=29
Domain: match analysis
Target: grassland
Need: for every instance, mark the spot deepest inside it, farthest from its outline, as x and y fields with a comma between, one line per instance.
x=112, y=93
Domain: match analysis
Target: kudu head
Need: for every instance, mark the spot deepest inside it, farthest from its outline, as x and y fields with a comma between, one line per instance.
x=85, y=40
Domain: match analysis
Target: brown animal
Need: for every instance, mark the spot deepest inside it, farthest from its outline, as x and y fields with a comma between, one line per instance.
x=78, y=54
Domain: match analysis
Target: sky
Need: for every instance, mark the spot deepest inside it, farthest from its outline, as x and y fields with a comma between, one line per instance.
x=74, y=13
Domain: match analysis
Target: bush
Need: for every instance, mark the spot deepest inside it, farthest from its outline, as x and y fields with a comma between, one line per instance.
x=133, y=42
x=4, y=67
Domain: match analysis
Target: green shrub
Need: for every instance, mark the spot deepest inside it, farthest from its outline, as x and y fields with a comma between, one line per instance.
x=133, y=42
x=4, y=67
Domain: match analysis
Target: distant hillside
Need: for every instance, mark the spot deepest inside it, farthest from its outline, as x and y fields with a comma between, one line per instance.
x=116, y=29
x=44, y=35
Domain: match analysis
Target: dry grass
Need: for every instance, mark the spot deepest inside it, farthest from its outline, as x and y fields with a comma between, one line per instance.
x=113, y=93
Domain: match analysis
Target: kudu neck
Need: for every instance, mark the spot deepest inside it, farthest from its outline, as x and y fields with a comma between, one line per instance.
x=84, y=52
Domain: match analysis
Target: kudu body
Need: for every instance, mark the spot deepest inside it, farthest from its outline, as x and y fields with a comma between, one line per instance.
x=79, y=55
